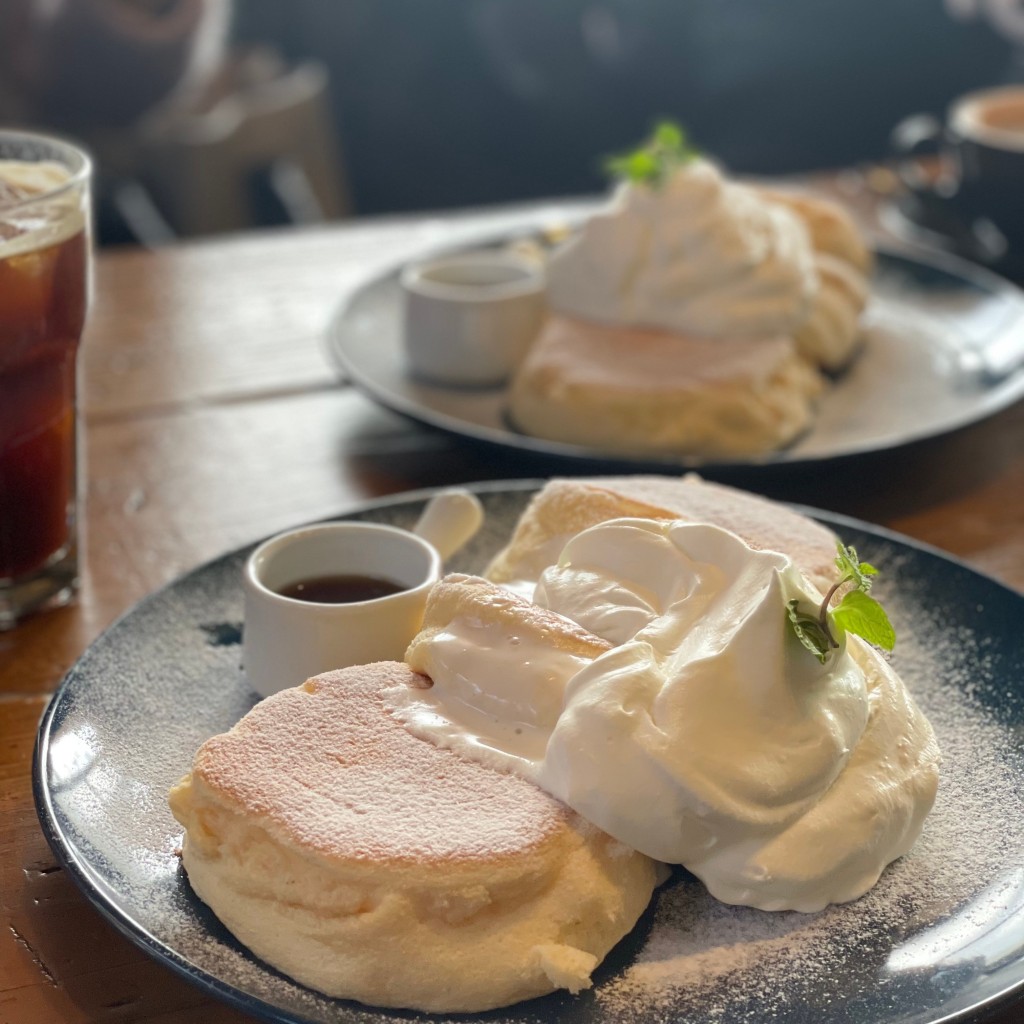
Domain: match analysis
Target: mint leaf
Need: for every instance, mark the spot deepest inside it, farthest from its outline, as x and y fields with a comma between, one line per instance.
x=851, y=569
x=669, y=136
x=861, y=614
x=809, y=632
x=856, y=612
x=639, y=166
x=656, y=159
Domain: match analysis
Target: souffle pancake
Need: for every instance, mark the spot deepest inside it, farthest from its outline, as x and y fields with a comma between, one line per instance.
x=564, y=507
x=372, y=865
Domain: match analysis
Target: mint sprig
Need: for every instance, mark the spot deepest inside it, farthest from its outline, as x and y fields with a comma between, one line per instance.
x=654, y=161
x=856, y=612
x=809, y=631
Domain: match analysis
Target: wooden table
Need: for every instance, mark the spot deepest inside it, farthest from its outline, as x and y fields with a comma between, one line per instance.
x=212, y=418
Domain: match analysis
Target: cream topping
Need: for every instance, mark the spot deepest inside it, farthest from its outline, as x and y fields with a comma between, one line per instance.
x=696, y=254
x=708, y=736
x=499, y=692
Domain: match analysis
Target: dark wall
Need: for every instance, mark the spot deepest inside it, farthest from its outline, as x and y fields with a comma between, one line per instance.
x=454, y=102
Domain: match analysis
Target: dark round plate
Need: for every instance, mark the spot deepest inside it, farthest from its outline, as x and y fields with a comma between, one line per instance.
x=941, y=937
x=930, y=328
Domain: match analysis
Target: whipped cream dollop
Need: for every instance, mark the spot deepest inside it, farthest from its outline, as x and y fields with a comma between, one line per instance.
x=706, y=735
x=695, y=254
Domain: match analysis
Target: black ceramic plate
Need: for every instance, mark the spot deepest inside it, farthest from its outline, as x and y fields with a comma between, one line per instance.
x=941, y=937
x=929, y=327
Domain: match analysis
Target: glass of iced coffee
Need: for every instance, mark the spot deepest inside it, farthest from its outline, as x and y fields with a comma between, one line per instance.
x=44, y=290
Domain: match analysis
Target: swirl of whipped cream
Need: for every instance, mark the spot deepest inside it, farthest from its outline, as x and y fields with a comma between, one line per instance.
x=708, y=736
x=695, y=255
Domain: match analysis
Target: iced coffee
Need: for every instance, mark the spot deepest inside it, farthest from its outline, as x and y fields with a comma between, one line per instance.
x=44, y=284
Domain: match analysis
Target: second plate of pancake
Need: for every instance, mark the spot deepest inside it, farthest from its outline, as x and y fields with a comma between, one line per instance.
x=914, y=378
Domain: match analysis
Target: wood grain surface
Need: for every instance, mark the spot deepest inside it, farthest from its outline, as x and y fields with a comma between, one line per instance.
x=211, y=418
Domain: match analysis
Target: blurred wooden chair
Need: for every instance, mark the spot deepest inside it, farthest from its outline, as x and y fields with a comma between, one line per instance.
x=258, y=131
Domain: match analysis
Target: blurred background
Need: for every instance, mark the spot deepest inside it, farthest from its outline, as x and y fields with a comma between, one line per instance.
x=211, y=115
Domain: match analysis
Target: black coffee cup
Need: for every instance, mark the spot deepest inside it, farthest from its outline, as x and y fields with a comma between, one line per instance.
x=972, y=199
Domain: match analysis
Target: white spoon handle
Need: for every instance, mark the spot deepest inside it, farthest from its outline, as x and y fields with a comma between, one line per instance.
x=450, y=519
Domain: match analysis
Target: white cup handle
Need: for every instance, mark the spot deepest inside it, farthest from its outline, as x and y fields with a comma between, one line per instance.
x=450, y=520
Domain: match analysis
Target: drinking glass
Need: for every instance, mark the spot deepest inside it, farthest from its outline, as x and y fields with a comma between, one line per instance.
x=44, y=290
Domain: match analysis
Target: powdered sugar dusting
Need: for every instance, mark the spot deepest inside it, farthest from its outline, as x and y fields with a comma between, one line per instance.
x=331, y=767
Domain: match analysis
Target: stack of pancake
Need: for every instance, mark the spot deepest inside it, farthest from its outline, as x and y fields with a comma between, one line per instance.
x=370, y=864
x=683, y=345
